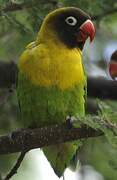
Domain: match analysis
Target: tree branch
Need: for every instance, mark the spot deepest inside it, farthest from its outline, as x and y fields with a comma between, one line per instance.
x=14, y=7
x=13, y=171
x=105, y=13
x=8, y=74
x=24, y=140
x=92, y=106
x=102, y=88
x=11, y=7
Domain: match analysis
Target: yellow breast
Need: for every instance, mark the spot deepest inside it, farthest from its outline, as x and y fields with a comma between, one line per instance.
x=52, y=65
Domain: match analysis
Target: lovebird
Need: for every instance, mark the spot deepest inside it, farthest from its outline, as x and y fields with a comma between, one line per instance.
x=51, y=78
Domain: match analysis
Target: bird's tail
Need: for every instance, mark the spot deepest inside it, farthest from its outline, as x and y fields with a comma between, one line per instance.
x=60, y=155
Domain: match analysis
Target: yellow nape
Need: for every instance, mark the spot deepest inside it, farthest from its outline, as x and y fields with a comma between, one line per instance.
x=52, y=65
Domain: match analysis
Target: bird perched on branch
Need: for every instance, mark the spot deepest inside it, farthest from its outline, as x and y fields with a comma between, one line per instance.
x=51, y=78
x=113, y=66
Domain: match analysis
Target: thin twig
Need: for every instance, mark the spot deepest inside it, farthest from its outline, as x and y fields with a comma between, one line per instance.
x=13, y=21
x=13, y=171
x=105, y=13
x=11, y=7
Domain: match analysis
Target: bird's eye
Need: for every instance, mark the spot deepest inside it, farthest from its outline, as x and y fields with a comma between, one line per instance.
x=72, y=21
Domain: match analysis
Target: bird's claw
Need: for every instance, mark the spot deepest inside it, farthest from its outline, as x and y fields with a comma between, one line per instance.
x=70, y=120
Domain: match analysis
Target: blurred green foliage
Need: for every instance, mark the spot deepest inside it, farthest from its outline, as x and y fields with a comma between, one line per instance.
x=18, y=28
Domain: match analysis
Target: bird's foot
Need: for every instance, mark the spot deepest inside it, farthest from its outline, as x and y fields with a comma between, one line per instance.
x=70, y=120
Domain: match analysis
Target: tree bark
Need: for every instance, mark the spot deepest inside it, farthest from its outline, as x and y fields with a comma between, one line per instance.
x=26, y=139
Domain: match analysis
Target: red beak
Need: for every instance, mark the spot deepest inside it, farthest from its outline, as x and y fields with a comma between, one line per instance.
x=87, y=29
x=113, y=69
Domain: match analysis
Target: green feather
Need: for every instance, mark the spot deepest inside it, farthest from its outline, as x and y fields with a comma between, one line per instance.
x=42, y=106
x=45, y=106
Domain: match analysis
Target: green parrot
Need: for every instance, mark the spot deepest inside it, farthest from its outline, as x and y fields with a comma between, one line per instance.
x=51, y=78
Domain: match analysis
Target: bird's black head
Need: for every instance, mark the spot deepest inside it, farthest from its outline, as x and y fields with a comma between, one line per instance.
x=73, y=26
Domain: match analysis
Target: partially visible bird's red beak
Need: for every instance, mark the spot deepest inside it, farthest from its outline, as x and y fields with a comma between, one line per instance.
x=113, y=69
x=87, y=29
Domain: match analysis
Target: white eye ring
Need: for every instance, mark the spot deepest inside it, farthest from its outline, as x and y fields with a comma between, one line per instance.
x=72, y=21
